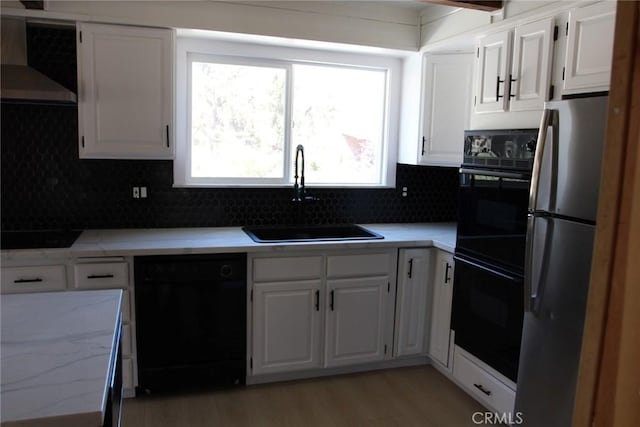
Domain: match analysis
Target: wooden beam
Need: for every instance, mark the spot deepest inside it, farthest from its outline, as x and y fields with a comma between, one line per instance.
x=484, y=5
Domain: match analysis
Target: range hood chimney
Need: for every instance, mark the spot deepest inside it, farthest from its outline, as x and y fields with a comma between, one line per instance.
x=18, y=80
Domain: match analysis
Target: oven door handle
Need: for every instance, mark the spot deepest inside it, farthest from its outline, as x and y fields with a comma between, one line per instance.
x=488, y=270
x=498, y=174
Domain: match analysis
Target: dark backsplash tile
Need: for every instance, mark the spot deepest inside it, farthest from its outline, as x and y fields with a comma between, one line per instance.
x=45, y=186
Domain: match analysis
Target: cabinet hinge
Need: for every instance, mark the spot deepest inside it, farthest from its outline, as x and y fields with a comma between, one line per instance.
x=80, y=35
x=251, y=296
x=82, y=142
x=552, y=91
x=251, y=363
x=478, y=53
x=555, y=33
x=388, y=287
x=385, y=349
x=566, y=30
x=563, y=68
x=474, y=100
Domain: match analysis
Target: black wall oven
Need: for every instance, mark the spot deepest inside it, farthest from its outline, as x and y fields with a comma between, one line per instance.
x=490, y=246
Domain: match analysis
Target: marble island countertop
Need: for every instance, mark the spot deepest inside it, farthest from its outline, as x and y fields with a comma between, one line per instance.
x=125, y=242
x=56, y=357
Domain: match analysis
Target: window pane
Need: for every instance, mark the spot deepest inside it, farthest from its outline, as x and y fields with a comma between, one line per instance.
x=237, y=121
x=338, y=116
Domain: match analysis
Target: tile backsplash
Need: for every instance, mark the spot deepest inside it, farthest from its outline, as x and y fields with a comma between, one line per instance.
x=46, y=186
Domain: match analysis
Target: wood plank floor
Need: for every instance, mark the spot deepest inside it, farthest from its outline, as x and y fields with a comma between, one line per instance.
x=414, y=396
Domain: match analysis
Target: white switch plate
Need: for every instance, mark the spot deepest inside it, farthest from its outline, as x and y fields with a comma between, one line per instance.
x=143, y=192
x=136, y=192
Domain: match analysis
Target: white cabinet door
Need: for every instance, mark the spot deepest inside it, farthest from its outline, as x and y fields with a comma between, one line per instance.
x=286, y=326
x=125, y=92
x=446, y=107
x=492, y=73
x=441, y=308
x=414, y=279
x=589, y=48
x=355, y=326
x=531, y=65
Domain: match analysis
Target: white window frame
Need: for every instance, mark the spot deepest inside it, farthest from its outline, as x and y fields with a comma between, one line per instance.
x=188, y=48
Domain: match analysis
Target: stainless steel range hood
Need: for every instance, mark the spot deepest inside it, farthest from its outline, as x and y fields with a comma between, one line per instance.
x=18, y=80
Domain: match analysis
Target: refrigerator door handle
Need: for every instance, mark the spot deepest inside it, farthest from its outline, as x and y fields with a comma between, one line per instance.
x=533, y=295
x=545, y=122
x=528, y=267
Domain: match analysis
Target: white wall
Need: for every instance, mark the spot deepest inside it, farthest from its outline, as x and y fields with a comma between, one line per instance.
x=360, y=23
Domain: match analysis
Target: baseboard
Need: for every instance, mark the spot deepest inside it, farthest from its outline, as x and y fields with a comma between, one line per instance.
x=325, y=372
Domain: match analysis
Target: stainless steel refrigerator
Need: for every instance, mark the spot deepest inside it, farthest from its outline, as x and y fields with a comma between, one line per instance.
x=560, y=231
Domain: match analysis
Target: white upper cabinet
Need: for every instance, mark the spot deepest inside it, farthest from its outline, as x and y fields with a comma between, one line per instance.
x=446, y=107
x=513, y=70
x=493, y=59
x=531, y=65
x=125, y=103
x=589, y=48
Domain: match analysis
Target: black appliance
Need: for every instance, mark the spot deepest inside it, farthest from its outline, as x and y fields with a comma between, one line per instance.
x=190, y=321
x=490, y=248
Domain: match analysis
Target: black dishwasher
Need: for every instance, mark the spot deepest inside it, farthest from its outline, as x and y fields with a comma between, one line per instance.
x=190, y=321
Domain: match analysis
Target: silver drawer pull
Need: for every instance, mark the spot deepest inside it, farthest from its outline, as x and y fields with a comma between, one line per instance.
x=100, y=276
x=36, y=280
x=482, y=389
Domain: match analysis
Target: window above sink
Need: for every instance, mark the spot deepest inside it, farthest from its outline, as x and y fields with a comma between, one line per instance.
x=242, y=109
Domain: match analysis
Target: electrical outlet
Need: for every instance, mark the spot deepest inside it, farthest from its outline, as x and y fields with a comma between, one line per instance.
x=143, y=192
x=136, y=192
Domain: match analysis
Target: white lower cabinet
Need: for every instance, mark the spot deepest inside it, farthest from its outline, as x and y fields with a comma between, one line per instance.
x=355, y=320
x=440, y=333
x=483, y=385
x=286, y=326
x=414, y=282
x=337, y=311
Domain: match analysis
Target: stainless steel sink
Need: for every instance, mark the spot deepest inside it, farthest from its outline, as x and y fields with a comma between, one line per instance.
x=310, y=233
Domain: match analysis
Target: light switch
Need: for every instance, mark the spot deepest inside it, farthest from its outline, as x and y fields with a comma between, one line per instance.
x=136, y=192
x=143, y=192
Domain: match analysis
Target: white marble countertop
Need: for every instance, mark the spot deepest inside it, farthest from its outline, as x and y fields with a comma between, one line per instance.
x=56, y=355
x=158, y=241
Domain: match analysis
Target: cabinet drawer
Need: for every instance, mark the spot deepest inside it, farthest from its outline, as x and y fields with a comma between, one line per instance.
x=475, y=379
x=101, y=275
x=287, y=268
x=358, y=265
x=34, y=279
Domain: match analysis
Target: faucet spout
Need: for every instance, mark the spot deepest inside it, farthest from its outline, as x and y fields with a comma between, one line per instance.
x=299, y=190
